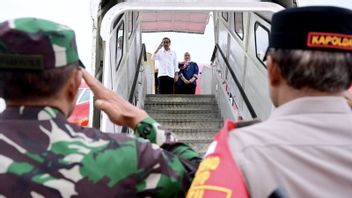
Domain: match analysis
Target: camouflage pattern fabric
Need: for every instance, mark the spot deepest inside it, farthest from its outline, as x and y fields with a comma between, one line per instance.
x=31, y=43
x=42, y=155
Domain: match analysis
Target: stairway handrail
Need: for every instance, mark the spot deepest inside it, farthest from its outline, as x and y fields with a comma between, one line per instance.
x=142, y=53
x=239, y=86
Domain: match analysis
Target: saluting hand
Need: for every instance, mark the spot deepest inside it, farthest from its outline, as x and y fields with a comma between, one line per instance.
x=119, y=110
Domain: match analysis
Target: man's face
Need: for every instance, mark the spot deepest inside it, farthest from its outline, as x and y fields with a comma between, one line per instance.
x=166, y=43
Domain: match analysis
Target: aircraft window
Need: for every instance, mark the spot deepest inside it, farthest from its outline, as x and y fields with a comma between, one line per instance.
x=261, y=41
x=238, y=23
x=119, y=46
x=225, y=16
x=130, y=24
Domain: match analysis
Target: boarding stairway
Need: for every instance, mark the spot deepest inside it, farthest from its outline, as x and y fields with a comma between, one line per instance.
x=194, y=119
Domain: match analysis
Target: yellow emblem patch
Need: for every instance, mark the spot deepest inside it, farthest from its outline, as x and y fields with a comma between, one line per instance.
x=199, y=186
x=329, y=40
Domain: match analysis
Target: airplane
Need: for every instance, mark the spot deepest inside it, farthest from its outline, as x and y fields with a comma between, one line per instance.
x=236, y=75
x=80, y=114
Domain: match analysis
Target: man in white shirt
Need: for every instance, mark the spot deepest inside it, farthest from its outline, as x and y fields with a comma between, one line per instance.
x=168, y=67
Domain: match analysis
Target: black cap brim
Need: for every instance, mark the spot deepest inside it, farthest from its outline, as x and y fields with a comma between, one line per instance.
x=81, y=64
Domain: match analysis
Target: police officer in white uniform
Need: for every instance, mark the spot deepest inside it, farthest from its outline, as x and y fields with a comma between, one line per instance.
x=306, y=145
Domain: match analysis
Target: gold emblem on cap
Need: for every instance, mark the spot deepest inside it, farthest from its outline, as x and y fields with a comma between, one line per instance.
x=329, y=40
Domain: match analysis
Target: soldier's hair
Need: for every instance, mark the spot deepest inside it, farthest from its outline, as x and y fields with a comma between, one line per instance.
x=319, y=70
x=24, y=85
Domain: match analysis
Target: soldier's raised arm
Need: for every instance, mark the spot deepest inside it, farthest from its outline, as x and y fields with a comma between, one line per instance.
x=166, y=167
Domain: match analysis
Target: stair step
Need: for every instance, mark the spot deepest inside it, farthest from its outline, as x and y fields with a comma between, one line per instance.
x=179, y=107
x=190, y=118
x=179, y=96
x=183, y=136
x=167, y=102
x=195, y=141
x=194, y=130
x=192, y=125
x=210, y=124
x=182, y=111
x=180, y=99
x=186, y=116
x=194, y=119
x=201, y=148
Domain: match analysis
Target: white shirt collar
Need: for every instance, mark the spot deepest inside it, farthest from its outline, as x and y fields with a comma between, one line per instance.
x=304, y=105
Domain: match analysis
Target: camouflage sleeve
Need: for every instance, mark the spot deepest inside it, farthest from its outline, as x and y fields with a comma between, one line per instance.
x=180, y=157
x=151, y=130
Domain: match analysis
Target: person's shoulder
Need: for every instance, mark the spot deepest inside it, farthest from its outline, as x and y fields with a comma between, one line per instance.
x=119, y=138
x=254, y=134
x=267, y=126
x=92, y=135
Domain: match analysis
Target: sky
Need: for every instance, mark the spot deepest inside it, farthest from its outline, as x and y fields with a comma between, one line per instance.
x=76, y=16
x=200, y=46
x=73, y=13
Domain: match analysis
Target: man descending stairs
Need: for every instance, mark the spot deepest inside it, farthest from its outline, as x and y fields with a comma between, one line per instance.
x=194, y=119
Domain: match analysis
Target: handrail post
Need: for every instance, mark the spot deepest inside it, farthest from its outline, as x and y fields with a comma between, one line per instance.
x=240, y=88
x=143, y=53
x=214, y=54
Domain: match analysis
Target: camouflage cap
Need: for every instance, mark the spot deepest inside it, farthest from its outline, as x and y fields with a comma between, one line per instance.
x=31, y=43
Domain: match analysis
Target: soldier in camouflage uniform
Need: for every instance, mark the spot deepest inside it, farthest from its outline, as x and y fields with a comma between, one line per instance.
x=42, y=155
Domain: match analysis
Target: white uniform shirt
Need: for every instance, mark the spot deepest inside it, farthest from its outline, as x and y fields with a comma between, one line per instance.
x=168, y=65
x=305, y=147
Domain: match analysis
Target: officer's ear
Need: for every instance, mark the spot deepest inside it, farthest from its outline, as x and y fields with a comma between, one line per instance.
x=74, y=84
x=274, y=72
